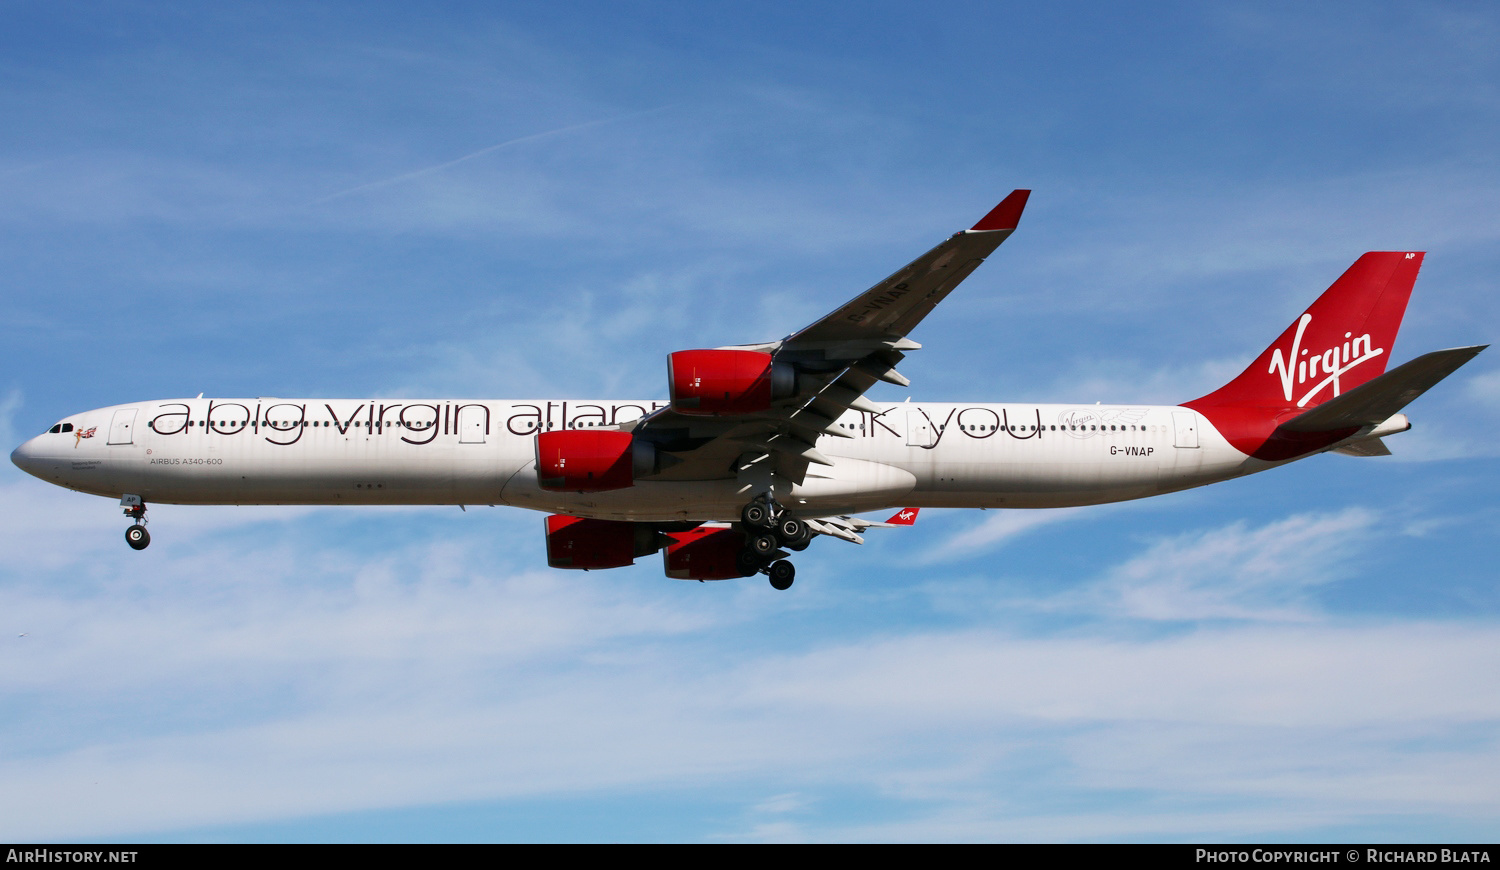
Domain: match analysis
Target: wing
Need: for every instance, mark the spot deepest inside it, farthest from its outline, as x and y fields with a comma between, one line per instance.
x=848, y=528
x=828, y=367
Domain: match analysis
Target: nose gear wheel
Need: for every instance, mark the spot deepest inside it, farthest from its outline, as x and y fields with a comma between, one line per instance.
x=137, y=536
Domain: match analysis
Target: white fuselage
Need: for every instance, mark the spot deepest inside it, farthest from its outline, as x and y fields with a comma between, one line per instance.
x=441, y=451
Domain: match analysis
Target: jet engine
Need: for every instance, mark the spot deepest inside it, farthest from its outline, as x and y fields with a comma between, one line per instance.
x=587, y=460
x=574, y=542
x=709, y=382
x=704, y=553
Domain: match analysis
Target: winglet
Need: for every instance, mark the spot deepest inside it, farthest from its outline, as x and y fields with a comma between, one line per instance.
x=904, y=517
x=1004, y=216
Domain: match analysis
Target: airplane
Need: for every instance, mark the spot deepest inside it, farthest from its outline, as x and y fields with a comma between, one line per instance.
x=760, y=448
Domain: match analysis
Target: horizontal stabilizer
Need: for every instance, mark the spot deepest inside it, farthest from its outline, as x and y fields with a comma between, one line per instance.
x=1377, y=400
x=1367, y=447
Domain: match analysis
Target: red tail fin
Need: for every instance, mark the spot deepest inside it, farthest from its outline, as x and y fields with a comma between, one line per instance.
x=1341, y=341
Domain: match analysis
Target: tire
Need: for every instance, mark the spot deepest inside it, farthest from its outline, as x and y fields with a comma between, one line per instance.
x=792, y=530
x=748, y=563
x=782, y=574
x=137, y=537
x=763, y=545
x=756, y=515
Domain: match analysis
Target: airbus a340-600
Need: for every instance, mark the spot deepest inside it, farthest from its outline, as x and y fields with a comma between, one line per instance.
x=763, y=447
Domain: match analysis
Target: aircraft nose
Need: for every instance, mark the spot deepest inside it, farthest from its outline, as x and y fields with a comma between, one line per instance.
x=27, y=458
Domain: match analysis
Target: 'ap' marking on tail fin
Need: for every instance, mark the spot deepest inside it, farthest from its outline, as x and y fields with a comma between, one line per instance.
x=1334, y=362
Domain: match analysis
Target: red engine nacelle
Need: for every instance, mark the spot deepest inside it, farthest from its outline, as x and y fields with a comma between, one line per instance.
x=585, y=460
x=574, y=542
x=727, y=381
x=704, y=554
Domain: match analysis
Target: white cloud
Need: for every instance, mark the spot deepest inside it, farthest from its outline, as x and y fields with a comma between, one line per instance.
x=236, y=678
x=1485, y=388
x=8, y=408
x=419, y=697
x=1237, y=572
x=998, y=529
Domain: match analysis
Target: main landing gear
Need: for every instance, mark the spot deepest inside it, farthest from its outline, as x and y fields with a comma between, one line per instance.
x=136, y=536
x=769, y=528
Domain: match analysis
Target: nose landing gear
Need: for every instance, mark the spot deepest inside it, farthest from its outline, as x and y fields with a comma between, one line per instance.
x=136, y=536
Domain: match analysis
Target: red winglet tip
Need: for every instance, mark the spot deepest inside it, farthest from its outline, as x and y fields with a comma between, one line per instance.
x=904, y=517
x=1006, y=215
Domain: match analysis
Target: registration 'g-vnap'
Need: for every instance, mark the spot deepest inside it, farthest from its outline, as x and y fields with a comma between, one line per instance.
x=763, y=447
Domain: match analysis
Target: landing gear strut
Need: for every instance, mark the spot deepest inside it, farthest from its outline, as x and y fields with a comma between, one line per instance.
x=768, y=527
x=136, y=536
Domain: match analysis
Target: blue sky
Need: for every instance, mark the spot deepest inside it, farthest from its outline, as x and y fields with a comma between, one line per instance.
x=539, y=201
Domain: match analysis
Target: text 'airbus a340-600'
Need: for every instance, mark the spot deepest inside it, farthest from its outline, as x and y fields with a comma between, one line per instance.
x=763, y=447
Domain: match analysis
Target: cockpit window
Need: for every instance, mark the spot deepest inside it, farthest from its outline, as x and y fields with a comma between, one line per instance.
x=61, y=427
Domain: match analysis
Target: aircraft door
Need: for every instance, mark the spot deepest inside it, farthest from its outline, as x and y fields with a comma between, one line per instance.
x=918, y=430
x=1186, y=425
x=473, y=424
x=121, y=427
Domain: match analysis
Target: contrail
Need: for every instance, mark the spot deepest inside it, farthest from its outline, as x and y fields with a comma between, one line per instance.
x=397, y=179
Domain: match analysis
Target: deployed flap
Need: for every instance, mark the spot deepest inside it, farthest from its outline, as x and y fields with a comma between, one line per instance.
x=1380, y=399
x=848, y=528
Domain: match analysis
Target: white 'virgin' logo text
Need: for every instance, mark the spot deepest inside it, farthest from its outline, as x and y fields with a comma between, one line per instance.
x=1331, y=363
